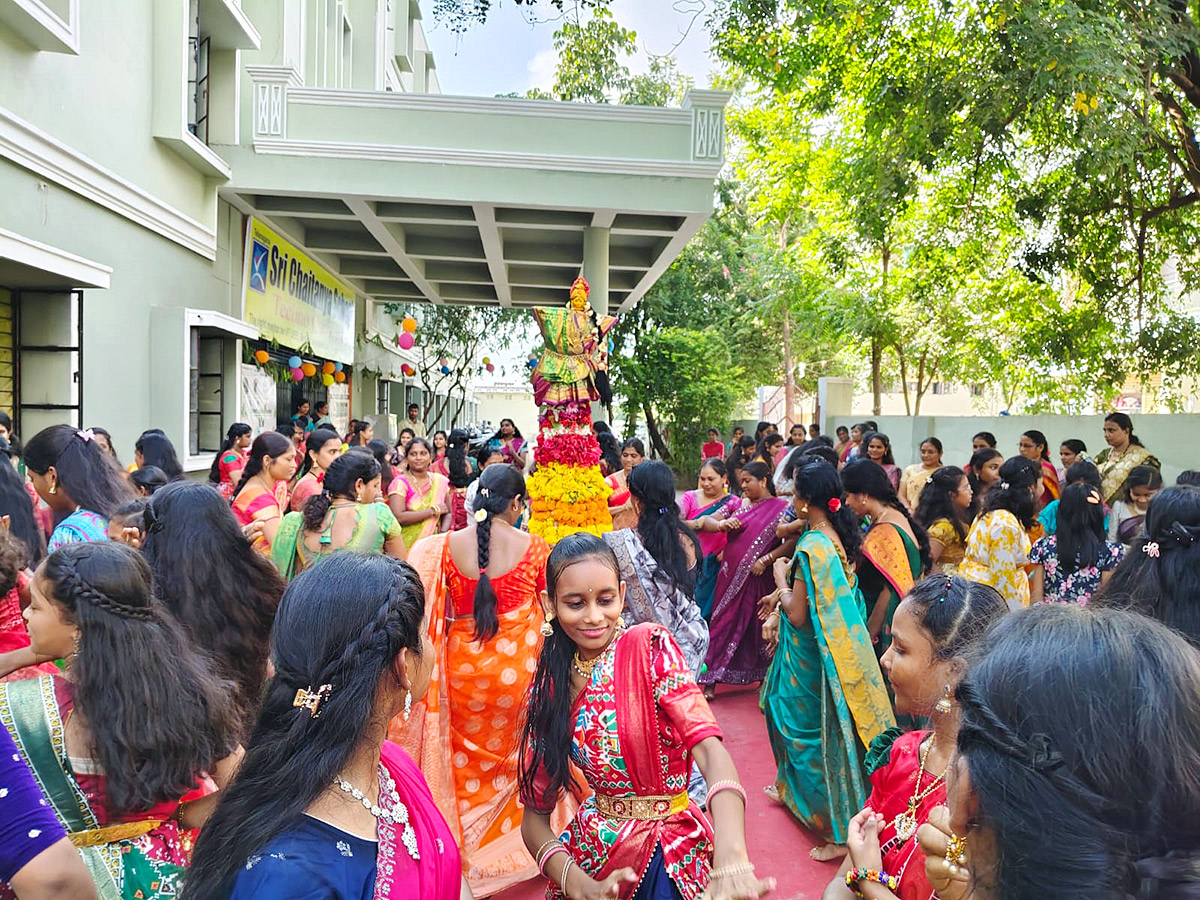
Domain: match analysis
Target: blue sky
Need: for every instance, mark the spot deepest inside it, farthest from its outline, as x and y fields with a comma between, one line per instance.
x=512, y=53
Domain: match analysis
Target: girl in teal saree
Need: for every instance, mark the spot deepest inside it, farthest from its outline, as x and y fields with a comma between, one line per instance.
x=124, y=776
x=824, y=696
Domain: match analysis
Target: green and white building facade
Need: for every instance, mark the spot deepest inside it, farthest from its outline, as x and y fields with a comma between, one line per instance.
x=185, y=182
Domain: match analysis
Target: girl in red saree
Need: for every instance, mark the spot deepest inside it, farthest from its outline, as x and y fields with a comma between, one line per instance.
x=639, y=836
x=935, y=628
x=483, y=586
x=227, y=465
x=1033, y=445
x=323, y=806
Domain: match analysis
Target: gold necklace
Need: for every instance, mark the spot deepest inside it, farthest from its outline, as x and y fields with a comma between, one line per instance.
x=585, y=667
x=906, y=823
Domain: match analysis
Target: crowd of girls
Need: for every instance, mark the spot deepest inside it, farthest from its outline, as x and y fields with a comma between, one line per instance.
x=228, y=692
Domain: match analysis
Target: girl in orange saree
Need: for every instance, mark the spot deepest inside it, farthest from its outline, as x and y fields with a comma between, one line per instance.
x=1033, y=445
x=482, y=587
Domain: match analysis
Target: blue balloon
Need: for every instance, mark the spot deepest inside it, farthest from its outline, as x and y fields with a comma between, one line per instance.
x=294, y=362
x=337, y=367
x=445, y=370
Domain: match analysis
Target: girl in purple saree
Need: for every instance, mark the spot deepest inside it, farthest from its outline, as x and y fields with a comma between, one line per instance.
x=736, y=652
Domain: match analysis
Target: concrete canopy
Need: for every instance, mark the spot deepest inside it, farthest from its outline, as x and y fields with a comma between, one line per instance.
x=424, y=197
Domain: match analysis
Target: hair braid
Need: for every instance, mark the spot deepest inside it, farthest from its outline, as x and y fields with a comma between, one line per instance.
x=81, y=590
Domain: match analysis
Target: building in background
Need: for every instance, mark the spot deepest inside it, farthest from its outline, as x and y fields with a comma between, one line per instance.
x=186, y=183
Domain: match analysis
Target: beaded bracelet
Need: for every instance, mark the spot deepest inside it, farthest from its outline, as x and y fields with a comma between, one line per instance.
x=717, y=786
x=854, y=876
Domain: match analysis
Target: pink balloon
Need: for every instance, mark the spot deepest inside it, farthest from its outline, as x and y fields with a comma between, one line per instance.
x=297, y=375
x=491, y=367
x=405, y=340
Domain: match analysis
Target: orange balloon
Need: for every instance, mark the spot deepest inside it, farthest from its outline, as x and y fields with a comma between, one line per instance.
x=262, y=356
x=409, y=324
x=327, y=368
x=309, y=369
x=339, y=377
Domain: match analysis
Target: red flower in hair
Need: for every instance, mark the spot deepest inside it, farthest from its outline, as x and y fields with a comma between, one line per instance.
x=835, y=504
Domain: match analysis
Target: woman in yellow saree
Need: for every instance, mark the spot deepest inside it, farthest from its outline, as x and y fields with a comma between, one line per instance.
x=483, y=587
x=418, y=496
x=895, y=551
x=824, y=696
x=1123, y=454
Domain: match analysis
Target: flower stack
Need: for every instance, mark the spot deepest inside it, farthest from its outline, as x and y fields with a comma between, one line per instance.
x=567, y=492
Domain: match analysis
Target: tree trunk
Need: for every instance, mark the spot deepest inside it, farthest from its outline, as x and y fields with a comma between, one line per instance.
x=656, y=440
x=904, y=379
x=876, y=341
x=877, y=375
x=789, y=374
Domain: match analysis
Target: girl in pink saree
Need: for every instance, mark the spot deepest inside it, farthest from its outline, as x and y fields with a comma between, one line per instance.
x=322, y=805
x=736, y=652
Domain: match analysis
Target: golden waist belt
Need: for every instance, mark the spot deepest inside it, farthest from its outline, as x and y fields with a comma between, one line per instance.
x=122, y=831
x=649, y=809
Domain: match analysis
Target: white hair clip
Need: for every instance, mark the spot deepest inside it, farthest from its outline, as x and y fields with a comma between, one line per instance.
x=1151, y=549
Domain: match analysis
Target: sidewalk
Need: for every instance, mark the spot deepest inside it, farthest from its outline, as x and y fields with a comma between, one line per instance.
x=778, y=845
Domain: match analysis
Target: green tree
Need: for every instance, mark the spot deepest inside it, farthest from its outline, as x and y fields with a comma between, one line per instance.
x=461, y=15
x=456, y=338
x=714, y=382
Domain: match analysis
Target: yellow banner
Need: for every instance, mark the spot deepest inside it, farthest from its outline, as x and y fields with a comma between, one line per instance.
x=294, y=300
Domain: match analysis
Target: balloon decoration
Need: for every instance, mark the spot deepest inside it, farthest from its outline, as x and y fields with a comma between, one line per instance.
x=294, y=362
x=297, y=374
x=445, y=370
x=337, y=367
x=309, y=370
x=327, y=379
x=339, y=376
x=327, y=369
x=409, y=324
x=262, y=356
x=405, y=340
x=408, y=370
x=491, y=368
x=487, y=360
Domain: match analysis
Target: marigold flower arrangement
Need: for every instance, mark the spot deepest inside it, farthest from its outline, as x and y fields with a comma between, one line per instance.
x=567, y=492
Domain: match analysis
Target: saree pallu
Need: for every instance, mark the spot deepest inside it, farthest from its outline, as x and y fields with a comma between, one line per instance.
x=432, y=494
x=651, y=597
x=437, y=874
x=463, y=735
x=824, y=696
x=712, y=545
x=895, y=562
x=636, y=723
x=620, y=502
x=1115, y=472
x=736, y=652
x=147, y=863
x=1050, y=487
x=255, y=503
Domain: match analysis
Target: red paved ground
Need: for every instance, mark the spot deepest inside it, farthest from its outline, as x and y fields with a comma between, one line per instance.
x=778, y=845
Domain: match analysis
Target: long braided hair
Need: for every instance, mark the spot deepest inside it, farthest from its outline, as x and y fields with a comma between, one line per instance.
x=343, y=624
x=158, y=716
x=498, y=486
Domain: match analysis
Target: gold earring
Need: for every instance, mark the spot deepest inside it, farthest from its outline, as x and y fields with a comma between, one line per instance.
x=621, y=624
x=944, y=705
x=547, y=628
x=956, y=853
x=54, y=488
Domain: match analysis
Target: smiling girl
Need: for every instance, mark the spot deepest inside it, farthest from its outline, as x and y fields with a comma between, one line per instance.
x=639, y=836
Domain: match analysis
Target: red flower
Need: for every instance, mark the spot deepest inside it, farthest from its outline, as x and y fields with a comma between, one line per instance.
x=835, y=504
